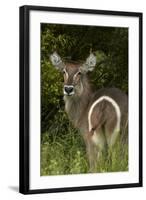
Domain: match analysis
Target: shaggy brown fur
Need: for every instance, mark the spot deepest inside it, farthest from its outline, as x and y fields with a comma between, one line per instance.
x=104, y=117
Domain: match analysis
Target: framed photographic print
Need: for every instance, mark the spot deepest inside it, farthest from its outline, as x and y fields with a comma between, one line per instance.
x=80, y=99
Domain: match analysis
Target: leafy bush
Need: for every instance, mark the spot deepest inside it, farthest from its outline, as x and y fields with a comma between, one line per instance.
x=72, y=41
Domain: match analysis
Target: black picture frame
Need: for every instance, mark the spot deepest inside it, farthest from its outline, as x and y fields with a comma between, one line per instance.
x=25, y=105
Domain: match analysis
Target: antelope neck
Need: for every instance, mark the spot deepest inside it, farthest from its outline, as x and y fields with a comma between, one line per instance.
x=76, y=106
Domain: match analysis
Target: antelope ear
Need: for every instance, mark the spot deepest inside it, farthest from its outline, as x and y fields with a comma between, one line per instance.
x=56, y=60
x=90, y=63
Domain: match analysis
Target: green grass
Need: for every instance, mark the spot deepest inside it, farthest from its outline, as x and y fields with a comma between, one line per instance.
x=63, y=152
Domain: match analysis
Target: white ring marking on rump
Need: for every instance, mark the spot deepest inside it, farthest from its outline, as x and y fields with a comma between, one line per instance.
x=114, y=104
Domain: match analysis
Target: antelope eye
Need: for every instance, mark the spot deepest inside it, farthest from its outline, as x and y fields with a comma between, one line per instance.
x=79, y=73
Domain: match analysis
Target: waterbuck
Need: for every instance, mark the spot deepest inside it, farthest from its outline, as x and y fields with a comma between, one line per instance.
x=99, y=115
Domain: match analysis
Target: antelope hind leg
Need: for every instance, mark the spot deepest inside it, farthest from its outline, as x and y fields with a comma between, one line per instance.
x=95, y=146
x=92, y=153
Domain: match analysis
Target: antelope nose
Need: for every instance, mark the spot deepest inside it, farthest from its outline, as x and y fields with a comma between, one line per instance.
x=68, y=88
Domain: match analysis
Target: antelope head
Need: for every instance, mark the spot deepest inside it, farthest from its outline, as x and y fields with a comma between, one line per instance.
x=73, y=73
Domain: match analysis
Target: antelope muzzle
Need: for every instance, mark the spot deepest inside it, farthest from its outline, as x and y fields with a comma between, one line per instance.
x=68, y=90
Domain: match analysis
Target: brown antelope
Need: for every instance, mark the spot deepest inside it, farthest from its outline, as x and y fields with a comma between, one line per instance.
x=100, y=116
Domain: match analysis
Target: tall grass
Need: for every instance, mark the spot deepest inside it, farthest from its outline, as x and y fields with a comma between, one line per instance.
x=63, y=152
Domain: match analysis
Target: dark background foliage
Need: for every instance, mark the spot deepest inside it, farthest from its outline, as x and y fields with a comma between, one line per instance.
x=110, y=44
